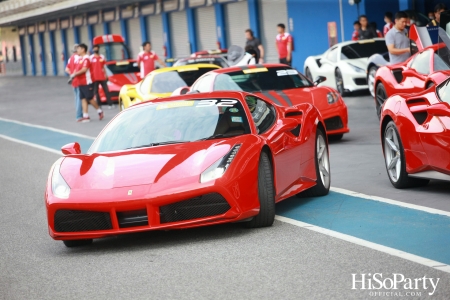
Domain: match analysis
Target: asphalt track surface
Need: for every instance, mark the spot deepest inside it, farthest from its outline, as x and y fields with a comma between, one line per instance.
x=218, y=262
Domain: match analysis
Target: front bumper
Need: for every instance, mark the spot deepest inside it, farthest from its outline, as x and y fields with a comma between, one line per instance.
x=91, y=217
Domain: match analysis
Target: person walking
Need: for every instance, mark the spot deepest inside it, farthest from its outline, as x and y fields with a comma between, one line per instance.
x=397, y=40
x=284, y=45
x=389, y=24
x=255, y=43
x=70, y=69
x=440, y=7
x=146, y=59
x=366, y=32
x=83, y=79
x=99, y=77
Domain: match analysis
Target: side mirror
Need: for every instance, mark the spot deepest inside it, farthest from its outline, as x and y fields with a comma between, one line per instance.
x=288, y=124
x=72, y=148
x=181, y=91
x=439, y=110
x=319, y=80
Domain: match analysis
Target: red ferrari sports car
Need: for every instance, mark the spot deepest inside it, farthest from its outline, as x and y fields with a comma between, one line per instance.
x=188, y=161
x=427, y=67
x=284, y=85
x=415, y=134
x=120, y=68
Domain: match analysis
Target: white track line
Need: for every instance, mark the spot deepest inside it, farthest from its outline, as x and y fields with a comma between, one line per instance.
x=30, y=144
x=49, y=128
x=390, y=201
x=354, y=240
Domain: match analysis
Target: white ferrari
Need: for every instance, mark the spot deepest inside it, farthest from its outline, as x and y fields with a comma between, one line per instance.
x=345, y=64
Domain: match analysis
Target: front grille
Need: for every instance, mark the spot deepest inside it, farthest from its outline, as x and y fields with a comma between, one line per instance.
x=360, y=81
x=80, y=220
x=200, y=207
x=132, y=218
x=334, y=123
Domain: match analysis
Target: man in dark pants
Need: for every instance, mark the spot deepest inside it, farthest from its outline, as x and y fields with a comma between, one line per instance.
x=99, y=76
x=284, y=45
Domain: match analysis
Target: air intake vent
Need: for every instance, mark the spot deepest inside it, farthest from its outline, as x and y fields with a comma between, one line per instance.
x=132, y=218
x=334, y=123
x=80, y=220
x=194, y=208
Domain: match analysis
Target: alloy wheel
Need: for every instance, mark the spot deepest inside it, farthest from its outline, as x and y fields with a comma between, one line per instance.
x=323, y=161
x=392, y=154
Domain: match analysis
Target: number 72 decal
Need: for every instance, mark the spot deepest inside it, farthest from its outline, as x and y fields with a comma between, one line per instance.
x=214, y=102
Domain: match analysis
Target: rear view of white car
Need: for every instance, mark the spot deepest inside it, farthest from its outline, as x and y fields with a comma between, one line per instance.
x=345, y=64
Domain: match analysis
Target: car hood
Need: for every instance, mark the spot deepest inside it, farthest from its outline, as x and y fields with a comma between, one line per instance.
x=289, y=97
x=358, y=62
x=143, y=166
x=125, y=78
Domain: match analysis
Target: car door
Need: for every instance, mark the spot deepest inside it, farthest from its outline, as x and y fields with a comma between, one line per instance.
x=283, y=141
x=435, y=132
x=415, y=75
x=328, y=66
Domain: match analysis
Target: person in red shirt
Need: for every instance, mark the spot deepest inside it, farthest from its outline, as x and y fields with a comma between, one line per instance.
x=389, y=24
x=356, y=27
x=284, y=45
x=83, y=79
x=146, y=59
x=70, y=69
x=99, y=76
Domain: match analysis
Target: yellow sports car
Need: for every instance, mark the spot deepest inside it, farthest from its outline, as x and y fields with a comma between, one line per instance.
x=161, y=83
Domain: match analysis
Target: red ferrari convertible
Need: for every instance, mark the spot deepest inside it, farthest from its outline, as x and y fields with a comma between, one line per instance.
x=188, y=161
x=427, y=67
x=285, y=87
x=415, y=133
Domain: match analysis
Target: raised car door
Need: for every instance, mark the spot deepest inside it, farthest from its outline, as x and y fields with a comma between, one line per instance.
x=415, y=76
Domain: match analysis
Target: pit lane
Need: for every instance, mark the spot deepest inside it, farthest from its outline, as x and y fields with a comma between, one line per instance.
x=221, y=261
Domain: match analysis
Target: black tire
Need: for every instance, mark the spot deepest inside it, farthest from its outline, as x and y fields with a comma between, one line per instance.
x=335, y=137
x=321, y=188
x=308, y=74
x=339, y=82
x=266, y=194
x=380, y=98
x=402, y=180
x=77, y=243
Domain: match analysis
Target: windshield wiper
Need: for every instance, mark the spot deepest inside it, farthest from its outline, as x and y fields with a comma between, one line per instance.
x=157, y=144
x=220, y=135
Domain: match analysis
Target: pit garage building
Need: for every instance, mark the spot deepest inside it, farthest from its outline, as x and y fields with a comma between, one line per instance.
x=36, y=35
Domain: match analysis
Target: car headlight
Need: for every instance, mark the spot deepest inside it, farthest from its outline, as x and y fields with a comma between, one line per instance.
x=217, y=169
x=60, y=188
x=332, y=97
x=357, y=69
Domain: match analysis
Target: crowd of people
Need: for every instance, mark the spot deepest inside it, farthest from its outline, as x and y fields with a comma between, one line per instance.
x=395, y=31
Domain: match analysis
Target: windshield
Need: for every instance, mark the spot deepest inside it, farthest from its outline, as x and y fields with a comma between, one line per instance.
x=170, y=122
x=363, y=49
x=167, y=82
x=114, y=51
x=218, y=61
x=264, y=79
x=121, y=68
